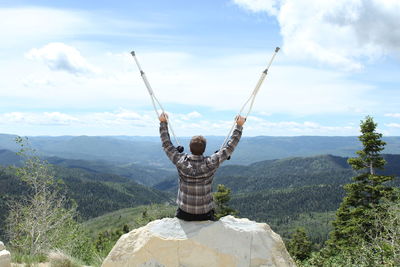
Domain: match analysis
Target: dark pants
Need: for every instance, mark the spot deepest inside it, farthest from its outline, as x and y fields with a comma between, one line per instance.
x=209, y=216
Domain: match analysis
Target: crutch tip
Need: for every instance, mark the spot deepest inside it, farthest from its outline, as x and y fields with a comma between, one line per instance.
x=133, y=53
x=277, y=49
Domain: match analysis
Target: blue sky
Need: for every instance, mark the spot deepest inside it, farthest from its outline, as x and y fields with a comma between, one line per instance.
x=66, y=67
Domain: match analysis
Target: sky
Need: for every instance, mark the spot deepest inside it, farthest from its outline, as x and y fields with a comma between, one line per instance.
x=66, y=67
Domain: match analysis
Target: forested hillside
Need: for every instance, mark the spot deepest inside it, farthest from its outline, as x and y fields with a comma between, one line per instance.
x=277, y=191
x=287, y=173
x=285, y=193
x=95, y=193
x=146, y=175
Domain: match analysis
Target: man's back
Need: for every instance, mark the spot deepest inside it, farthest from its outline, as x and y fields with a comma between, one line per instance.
x=196, y=172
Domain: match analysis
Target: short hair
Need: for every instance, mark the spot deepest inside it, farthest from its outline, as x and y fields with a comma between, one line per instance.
x=198, y=145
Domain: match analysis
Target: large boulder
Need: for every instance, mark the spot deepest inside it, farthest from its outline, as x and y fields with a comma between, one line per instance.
x=173, y=242
x=5, y=257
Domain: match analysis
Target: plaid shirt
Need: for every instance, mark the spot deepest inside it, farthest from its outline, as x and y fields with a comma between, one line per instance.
x=196, y=173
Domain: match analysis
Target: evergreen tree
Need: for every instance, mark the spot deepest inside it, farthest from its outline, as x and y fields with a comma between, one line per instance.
x=300, y=246
x=353, y=223
x=221, y=199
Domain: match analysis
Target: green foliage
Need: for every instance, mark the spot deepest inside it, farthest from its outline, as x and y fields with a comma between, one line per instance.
x=43, y=219
x=221, y=199
x=23, y=258
x=95, y=193
x=59, y=259
x=131, y=217
x=363, y=198
x=382, y=249
x=369, y=157
x=98, y=194
x=299, y=246
x=311, y=207
x=317, y=225
x=106, y=240
x=285, y=173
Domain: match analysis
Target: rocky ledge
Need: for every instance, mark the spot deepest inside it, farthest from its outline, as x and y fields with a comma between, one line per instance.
x=227, y=242
x=5, y=257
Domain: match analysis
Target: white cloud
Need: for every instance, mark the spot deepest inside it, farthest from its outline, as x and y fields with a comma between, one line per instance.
x=260, y=126
x=393, y=125
x=145, y=123
x=269, y=6
x=341, y=33
x=178, y=78
x=223, y=83
x=120, y=117
x=46, y=118
x=190, y=116
x=393, y=115
x=61, y=57
x=23, y=26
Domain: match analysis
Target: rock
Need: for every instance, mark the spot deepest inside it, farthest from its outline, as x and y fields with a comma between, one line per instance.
x=5, y=257
x=227, y=242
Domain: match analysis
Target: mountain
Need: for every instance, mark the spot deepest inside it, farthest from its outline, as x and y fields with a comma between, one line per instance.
x=148, y=151
x=8, y=157
x=286, y=173
x=146, y=175
x=114, y=150
x=95, y=193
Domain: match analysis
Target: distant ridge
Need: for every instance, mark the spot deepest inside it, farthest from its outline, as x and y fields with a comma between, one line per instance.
x=144, y=175
x=148, y=151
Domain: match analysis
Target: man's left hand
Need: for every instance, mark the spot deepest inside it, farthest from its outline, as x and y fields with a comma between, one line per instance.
x=163, y=117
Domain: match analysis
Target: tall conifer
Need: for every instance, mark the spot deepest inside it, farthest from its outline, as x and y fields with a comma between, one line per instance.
x=353, y=223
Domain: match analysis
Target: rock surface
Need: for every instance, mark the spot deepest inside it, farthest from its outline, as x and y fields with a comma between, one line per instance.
x=173, y=242
x=5, y=257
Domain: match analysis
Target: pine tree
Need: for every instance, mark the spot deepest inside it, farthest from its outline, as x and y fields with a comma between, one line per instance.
x=300, y=245
x=353, y=223
x=221, y=199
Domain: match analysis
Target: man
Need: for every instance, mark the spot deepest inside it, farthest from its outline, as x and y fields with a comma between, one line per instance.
x=196, y=172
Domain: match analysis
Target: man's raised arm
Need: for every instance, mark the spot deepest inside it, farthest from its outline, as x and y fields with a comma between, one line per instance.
x=224, y=153
x=169, y=149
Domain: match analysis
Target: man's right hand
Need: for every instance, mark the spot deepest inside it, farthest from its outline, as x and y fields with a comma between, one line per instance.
x=240, y=120
x=163, y=117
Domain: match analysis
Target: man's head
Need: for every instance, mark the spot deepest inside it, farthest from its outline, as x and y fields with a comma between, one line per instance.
x=198, y=145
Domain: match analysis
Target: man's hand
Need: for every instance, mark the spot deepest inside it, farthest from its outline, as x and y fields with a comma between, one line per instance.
x=163, y=117
x=240, y=120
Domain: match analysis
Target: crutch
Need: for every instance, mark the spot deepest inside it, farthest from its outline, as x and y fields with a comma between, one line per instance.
x=155, y=101
x=251, y=98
